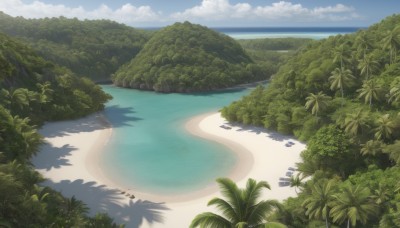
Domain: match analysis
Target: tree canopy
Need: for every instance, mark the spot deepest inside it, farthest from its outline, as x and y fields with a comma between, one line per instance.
x=185, y=57
x=90, y=48
x=340, y=95
x=33, y=90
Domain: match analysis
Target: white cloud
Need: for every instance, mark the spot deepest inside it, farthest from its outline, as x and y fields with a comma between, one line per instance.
x=279, y=11
x=214, y=10
x=207, y=12
x=126, y=14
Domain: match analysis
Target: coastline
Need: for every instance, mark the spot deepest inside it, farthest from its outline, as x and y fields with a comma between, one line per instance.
x=72, y=156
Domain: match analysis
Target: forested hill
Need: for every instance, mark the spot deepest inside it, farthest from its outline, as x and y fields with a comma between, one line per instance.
x=342, y=96
x=94, y=49
x=185, y=57
x=33, y=90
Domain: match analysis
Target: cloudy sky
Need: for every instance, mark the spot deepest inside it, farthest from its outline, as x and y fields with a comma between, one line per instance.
x=213, y=13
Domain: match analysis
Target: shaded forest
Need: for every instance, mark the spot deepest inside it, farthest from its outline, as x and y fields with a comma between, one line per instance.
x=33, y=90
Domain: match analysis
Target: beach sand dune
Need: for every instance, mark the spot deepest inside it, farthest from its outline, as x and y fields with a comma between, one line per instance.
x=70, y=160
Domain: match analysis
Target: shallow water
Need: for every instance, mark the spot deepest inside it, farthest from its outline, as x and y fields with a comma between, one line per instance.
x=151, y=151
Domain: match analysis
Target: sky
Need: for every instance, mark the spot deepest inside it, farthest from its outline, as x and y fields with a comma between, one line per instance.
x=212, y=13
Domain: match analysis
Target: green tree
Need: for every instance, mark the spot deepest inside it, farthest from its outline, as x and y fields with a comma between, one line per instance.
x=317, y=102
x=45, y=92
x=394, y=151
x=364, y=42
x=241, y=207
x=391, y=41
x=341, y=54
x=368, y=65
x=15, y=97
x=353, y=204
x=341, y=78
x=317, y=203
x=371, y=147
x=385, y=127
x=394, y=93
x=370, y=91
x=296, y=182
x=356, y=122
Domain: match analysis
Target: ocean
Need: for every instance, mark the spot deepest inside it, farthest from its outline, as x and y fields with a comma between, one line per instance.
x=316, y=33
x=294, y=32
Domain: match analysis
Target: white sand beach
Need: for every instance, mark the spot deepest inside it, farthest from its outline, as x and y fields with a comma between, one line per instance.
x=70, y=161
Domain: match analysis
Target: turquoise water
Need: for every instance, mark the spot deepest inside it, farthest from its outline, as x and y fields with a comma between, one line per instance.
x=316, y=33
x=262, y=35
x=150, y=149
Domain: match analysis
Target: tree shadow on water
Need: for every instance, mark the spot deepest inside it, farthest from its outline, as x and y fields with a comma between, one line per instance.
x=100, y=198
x=120, y=116
x=52, y=157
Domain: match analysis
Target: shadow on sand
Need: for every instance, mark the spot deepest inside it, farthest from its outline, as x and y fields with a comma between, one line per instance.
x=118, y=116
x=102, y=199
x=52, y=157
x=258, y=130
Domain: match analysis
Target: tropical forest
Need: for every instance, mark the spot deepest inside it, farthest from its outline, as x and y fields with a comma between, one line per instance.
x=342, y=96
x=187, y=58
x=339, y=95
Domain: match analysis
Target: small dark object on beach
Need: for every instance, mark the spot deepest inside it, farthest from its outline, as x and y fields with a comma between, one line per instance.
x=284, y=184
x=132, y=196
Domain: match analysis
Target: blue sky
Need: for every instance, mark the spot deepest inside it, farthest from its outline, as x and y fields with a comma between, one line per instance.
x=213, y=13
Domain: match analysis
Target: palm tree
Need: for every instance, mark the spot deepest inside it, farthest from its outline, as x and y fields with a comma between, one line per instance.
x=368, y=66
x=370, y=90
x=394, y=93
x=353, y=204
x=74, y=211
x=241, y=207
x=371, y=147
x=341, y=53
x=355, y=122
x=308, y=167
x=45, y=92
x=381, y=195
x=296, y=182
x=17, y=97
x=391, y=41
x=317, y=102
x=394, y=151
x=317, y=204
x=385, y=127
x=341, y=78
x=364, y=42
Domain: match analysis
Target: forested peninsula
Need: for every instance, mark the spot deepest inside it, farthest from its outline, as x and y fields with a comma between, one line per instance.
x=185, y=57
x=342, y=96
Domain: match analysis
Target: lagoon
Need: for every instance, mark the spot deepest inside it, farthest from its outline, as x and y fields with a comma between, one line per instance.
x=150, y=150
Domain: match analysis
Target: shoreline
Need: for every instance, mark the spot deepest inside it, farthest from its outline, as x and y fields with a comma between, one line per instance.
x=71, y=162
x=245, y=159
